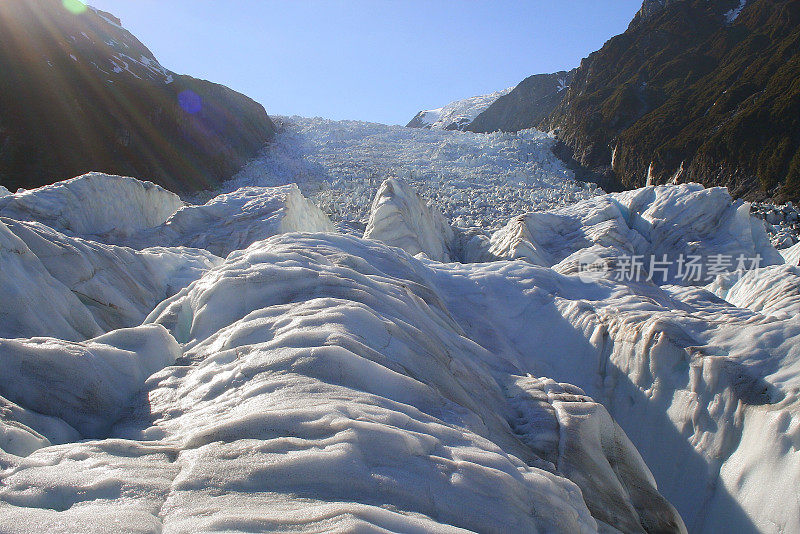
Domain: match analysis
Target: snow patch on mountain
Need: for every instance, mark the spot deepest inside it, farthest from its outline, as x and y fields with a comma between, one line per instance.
x=456, y=115
x=734, y=13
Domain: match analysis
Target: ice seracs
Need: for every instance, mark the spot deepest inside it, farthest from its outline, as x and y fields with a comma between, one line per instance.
x=94, y=204
x=482, y=179
x=400, y=218
x=119, y=286
x=653, y=222
x=235, y=220
x=33, y=302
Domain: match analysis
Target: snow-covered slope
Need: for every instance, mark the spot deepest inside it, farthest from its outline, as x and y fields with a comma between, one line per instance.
x=475, y=179
x=456, y=115
x=400, y=218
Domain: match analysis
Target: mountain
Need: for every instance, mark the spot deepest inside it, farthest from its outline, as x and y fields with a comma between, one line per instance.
x=525, y=106
x=80, y=93
x=693, y=90
x=456, y=115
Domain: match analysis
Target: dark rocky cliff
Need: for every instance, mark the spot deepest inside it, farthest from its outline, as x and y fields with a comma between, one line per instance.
x=79, y=93
x=526, y=106
x=694, y=89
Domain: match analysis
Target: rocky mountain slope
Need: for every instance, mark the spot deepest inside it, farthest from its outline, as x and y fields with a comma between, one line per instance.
x=694, y=90
x=80, y=93
x=525, y=106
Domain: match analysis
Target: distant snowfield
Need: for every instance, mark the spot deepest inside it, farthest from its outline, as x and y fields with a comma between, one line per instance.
x=241, y=366
x=475, y=179
x=457, y=115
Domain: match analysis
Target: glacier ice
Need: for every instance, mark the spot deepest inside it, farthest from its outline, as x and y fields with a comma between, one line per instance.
x=474, y=179
x=118, y=285
x=309, y=360
x=494, y=397
x=654, y=221
x=773, y=291
x=233, y=221
x=400, y=218
x=88, y=384
x=33, y=302
x=357, y=316
x=792, y=254
x=94, y=204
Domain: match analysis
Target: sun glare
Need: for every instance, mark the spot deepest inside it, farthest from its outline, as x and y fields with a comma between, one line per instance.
x=75, y=7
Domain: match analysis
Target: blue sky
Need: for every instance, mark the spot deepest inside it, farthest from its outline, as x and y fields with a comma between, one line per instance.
x=375, y=60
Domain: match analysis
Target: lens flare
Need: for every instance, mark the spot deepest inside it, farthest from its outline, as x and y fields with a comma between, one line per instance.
x=190, y=102
x=76, y=7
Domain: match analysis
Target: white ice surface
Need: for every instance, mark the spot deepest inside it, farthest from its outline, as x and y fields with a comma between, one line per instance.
x=792, y=255
x=328, y=383
x=87, y=385
x=235, y=220
x=773, y=291
x=4, y=191
x=94, y=203
x=400, y=218
x=651, y=222
x=32, y=302
x=118, y=285
x=331, y=387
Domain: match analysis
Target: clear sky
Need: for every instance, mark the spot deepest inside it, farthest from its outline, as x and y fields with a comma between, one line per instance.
x=375, y=60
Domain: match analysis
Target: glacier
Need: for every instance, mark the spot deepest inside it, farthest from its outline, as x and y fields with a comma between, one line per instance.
x=234, y=363
x=476, y=180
